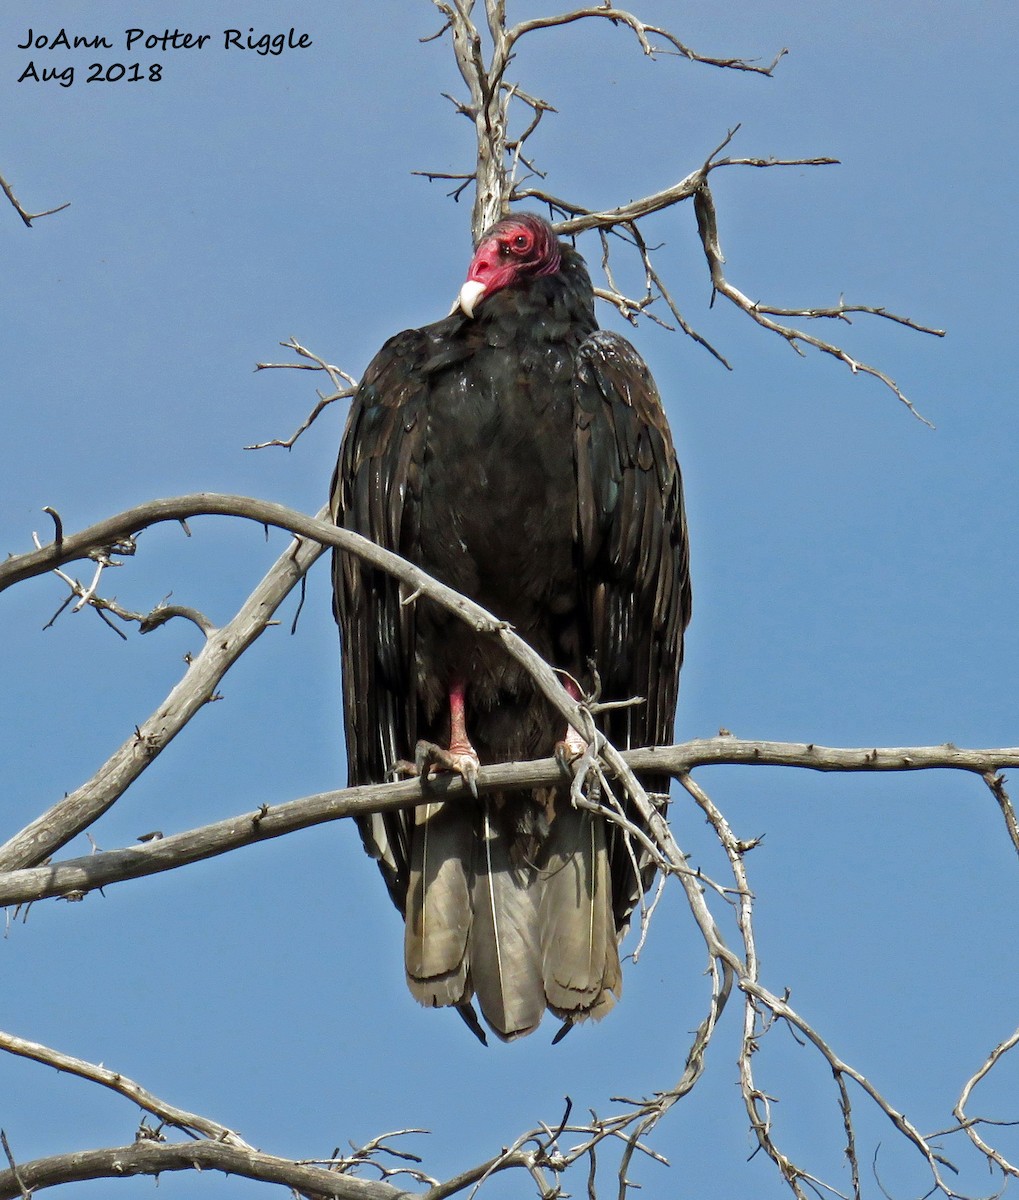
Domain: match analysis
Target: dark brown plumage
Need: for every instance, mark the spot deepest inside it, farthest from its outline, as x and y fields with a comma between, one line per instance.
x=520, y=455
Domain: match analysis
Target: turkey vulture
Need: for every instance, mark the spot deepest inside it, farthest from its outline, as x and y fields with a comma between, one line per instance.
x=521, y=455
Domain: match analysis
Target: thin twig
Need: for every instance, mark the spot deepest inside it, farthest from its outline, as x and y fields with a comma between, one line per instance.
x=26, y=1194
x=969, y=1124
x=344, y=386
x=707, y=226
x=168, y=1114
x=996, y=782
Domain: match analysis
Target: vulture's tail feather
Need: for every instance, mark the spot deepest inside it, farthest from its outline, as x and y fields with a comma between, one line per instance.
x=521, y=936
x=505, y=966
x=439, y=904
x=579, y=955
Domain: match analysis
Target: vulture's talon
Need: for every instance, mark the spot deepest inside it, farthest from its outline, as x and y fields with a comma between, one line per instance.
x=403, y=769
x=430, y=759
x=468, y=768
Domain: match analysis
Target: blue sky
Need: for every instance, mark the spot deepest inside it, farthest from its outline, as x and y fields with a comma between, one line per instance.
x=854, y=571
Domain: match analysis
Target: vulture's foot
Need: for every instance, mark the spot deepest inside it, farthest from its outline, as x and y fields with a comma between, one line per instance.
x=459, y=759
x=577, y=760
x=570, y=749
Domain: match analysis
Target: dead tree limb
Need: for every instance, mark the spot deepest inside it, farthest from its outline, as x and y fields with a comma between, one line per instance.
x=154, y=1158
x=23, y=212
x=166, y=1114
x=80, y=808
x=499, y=154
x=74, y=878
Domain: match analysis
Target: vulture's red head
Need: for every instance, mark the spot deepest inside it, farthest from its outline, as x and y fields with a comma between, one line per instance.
x=516, y=248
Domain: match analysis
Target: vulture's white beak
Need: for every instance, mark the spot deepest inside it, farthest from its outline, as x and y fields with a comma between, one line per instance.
x=470, y=294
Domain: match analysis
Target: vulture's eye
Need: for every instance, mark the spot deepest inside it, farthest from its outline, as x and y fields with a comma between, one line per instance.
x=521, y=241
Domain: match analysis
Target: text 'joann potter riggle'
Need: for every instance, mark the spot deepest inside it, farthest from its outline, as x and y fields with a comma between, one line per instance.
x=136, y=40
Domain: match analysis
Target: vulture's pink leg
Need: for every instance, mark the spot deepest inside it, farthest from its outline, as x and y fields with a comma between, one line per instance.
x=461, y=757
x=459, y=742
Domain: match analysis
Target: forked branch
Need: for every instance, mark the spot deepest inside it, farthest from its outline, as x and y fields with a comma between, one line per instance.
x=707, y=227
x=344, y=386
x=972, y=1125
x=26, y=216
x=500, y=154
x=83, y=806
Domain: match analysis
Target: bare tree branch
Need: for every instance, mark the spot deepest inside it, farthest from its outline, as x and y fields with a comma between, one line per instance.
x=619, y=16
x=372, y=1153
x=73, y=878
x=996, y=783
x=23, y=1191
x=167, y=1114
x=498, y=155
x=22, y=212
x=707, y=226
x=80, y=808
x=153, y=1158
x=970, y=1124
x=147, y=622
x=626, y=214
x=344, y=386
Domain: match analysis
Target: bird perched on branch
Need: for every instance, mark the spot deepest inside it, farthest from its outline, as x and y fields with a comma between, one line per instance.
x=520, y=455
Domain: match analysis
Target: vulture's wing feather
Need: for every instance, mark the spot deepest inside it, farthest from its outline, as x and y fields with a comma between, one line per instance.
x=634, y=557
x=376, y=491
x=426, y=855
